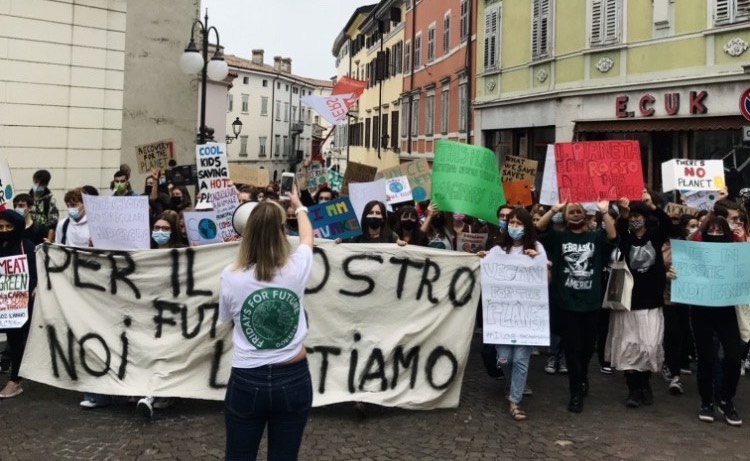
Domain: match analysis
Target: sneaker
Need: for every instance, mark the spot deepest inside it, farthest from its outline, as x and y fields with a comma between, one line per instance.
x=516, y=412
x=527, y=392
x=606, y=370
x=730, y=413
x=706, y=414
x=576, y=403
x=563, y=366
x=633, y=400
x=161, y=403
x=146, y=407
x=551, y=367
x=666, y=373
x=686, y=371
x=90, y=403
x=675, y=386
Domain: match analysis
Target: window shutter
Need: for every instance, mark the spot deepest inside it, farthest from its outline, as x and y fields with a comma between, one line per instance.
x=544, y=27
x=596, y=21
x=722, y=15
x=611, y=21
x=743, y=10
x=535, y=28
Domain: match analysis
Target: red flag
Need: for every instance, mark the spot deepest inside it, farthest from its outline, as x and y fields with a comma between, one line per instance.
x=347, y=85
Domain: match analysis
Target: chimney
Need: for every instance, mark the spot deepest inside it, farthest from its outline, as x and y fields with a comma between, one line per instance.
x=258, y=57
x=277, y=63
x=286, y=65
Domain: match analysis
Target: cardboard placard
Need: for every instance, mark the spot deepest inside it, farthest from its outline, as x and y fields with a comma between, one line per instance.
x=357, y=172
x=419, y=174
x=154, y=155
x=679, y=210
x=517, y=168
x=518, y=192
x=243, y=174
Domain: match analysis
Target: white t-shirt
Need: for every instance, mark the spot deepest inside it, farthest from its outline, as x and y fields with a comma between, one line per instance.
x=269, y=318
x=519, y=250
x=76, y=235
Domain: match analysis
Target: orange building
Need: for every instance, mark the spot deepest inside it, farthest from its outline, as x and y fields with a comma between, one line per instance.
x=439, y=75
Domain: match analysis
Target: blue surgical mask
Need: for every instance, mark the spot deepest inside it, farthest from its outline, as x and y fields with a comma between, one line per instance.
x=74, y=213
x=503, y=225
x=557, y=218
x=516, y=233
x=21, y=211
x=161, y=237
x=38, y=188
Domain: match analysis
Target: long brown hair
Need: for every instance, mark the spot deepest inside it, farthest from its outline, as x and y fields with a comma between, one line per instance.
x=264, y=242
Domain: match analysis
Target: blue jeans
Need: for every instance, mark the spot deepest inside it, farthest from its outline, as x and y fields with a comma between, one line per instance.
x=277, y=395
x=514, y=360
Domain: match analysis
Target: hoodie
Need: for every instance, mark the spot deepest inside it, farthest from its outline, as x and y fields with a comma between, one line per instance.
x=12, y=243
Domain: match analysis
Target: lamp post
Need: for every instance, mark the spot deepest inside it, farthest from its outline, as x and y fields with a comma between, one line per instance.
x=193, y=61
x=236, y=129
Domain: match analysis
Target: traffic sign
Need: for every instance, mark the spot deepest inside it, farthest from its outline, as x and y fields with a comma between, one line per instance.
x=745, y=104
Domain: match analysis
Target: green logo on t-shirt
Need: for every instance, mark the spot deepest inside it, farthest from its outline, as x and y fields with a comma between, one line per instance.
x=269, y=317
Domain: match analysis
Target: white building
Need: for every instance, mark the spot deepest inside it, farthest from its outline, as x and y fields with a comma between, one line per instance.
x=277, y=128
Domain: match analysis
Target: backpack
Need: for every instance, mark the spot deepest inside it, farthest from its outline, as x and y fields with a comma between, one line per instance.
x=65, y=231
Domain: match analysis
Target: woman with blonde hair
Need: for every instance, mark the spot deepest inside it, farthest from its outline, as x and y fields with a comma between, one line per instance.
x=262, y=294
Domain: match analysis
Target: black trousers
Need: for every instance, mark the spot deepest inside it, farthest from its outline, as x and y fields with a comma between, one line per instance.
x=676, y=336
x=723, y=321
x=578, y=331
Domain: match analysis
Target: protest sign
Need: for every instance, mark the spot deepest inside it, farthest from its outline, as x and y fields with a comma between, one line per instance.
x=711, y=274
x=317, y=177
x=357, y=172
x=471, y=242
x=335, y=180
x=549, y=192
x=397, y=190
x=465, y=179
x=679, y=210
x=225, y=201
x=14, y=291
x=243, y=174
x=515, y=304
x=154, y=155
x=701, y=200
x=419, y=174
x=118, y=223
x=335, y=219
x=375, y=333
x=202, y=227
x=599, y=170
x=362, y=192
x=517, y=168
x=7, y=192
x=213, y=171
x=689, y=175
x=518, y=192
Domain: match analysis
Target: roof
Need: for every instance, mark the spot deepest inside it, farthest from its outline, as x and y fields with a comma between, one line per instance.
x=342, y=37
x=247, y=64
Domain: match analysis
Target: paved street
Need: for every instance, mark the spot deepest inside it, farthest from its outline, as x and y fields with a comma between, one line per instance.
x=46, y=423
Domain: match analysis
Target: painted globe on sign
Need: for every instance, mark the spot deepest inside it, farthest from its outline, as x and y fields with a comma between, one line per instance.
x=207, y=229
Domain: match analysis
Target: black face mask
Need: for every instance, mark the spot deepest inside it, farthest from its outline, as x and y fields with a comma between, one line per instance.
x=176, y=201
x=438, y=222
x=374, y=223
x=5, y=236
x=291, y=223
x=408, y=224
x=714, y=238
x=148, y=190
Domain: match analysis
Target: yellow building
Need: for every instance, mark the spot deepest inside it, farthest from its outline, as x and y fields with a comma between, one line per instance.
x=668, y=74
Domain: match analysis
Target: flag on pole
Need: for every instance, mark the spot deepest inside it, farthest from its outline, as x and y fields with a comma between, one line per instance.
x=334, y=108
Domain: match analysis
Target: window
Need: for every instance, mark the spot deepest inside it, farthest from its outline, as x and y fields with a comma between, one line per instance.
x=307, y=117
x=491, y=36
x=264, y=105
x=245, y=80
x=376, y=132
x=286, y=111
x=430, y=127
x=265, y=83
x=278, y=85
x=245, y=103
x=404, y=127
x=262, y=146
x=541, y=36
x=445, y=98
x=367, y=133
x=447, y=33
x=295, y=90
x=394, y=129
x=464, y=20
x=407, y=58
x=294, y=113
x=418, y=51
x=605, y=21
x=230, y=102
x=277, y=146
x=243, y=146
x=731, y=11
x=431, y=43
x=278, y=110
x=285, y=147
x=463, y=100
x=415, y=117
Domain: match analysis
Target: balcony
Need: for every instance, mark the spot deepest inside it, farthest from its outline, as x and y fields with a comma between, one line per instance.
x=298, y=127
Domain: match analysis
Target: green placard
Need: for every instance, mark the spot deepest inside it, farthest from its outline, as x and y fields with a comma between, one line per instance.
x=465, y=179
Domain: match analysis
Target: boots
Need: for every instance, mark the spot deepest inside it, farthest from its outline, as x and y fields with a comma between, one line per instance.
x=646, y=392
x=635, y=396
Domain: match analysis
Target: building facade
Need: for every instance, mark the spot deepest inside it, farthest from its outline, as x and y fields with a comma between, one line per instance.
x=277, y=128
x=665, y=73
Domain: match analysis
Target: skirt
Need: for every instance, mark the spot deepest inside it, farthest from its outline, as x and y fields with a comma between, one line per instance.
x=635, y=340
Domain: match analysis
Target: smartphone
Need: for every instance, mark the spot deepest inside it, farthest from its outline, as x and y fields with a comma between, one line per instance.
x=287, y=182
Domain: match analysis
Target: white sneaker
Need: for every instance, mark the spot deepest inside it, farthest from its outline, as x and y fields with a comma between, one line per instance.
x=146, y=407
x=161, y=403
x=675, y=386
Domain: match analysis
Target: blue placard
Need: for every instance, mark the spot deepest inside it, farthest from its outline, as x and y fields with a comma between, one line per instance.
x=335, y=219
x=711, y=274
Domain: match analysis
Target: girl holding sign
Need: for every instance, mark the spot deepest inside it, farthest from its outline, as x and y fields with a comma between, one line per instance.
x=17, y=268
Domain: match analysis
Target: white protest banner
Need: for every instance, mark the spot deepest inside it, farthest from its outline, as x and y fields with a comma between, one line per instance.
x=213, y=171
x=701, y=200
x=225, y=201
x=549, y=195
x=684, y=174
x=118, y=223
x=471, y=242
x=397, y=190
x=202, y=227
x=362, y=192
x=7, y=192
x=515, y=305
x=14, y=291
x=388, y=325
x=154, y=155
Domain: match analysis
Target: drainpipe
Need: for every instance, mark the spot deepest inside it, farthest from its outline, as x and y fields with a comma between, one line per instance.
x=467, y=69
x=411, y=66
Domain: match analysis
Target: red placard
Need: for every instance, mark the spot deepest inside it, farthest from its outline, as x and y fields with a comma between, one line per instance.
x=599, y=170
x=518, y=192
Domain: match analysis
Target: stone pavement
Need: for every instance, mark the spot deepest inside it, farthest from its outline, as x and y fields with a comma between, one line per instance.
x=46, y=423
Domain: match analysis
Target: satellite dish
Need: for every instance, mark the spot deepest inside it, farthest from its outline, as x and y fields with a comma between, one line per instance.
x=241, y=214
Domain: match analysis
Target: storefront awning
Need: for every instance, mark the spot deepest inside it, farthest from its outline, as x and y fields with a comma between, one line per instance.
x=662, y=124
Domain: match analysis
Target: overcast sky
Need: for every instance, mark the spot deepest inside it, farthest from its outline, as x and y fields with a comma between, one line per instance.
x=303, y=30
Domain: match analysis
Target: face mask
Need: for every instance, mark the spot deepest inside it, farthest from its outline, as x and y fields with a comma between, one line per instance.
x=733, y=226
x=38, y=189
x=161, y=237
x=459, y=217
x=635, y=226
x=575, y=225
x=162, y=180
x=121, y=187
x=515, y=233
x=291, y=223
x=148, y=190
x=408, y=224
x=74, y=213
x=503, y=226
x=21, y=211
x=557, y=218
x=176, y=200
x=692, y=230
x=5, y=235
x=374, y=222
x=714, y=238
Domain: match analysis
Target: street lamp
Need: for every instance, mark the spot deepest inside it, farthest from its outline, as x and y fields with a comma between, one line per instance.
x=384, y=141
x=236, y=129
x=193, y=61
